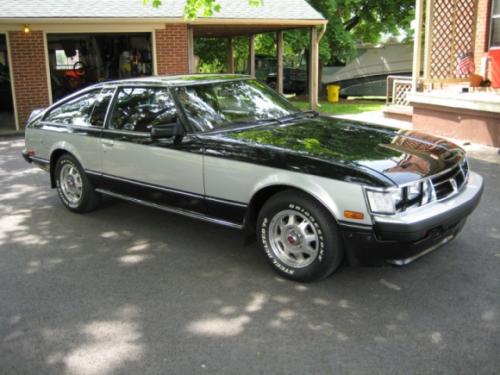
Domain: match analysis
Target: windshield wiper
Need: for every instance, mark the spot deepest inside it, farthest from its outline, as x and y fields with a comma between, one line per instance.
x=242, y=124
x=255, y=122
x=295, y=115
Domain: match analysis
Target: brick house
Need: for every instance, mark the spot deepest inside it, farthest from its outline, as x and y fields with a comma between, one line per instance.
x=453, y=39
x=50, y=48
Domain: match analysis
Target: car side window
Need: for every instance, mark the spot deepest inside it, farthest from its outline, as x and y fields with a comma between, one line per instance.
x=77, y=111
x=141, y=108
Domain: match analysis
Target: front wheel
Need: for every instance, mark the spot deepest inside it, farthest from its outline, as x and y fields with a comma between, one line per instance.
x=299, y=237
x=73, y=186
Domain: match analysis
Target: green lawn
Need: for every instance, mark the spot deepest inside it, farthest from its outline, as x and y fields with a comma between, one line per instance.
x=344, y=107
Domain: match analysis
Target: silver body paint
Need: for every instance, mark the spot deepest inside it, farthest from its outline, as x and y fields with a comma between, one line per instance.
x=205, y=175
x=153, y=165
x=239, y=181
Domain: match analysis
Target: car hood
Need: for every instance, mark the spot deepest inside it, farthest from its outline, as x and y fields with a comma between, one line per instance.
x=398, y=155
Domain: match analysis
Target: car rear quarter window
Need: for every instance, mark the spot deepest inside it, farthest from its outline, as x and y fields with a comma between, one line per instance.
x=141, y=108
x=76, y=111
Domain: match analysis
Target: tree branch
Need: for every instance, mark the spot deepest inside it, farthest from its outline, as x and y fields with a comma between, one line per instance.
x=352, y=23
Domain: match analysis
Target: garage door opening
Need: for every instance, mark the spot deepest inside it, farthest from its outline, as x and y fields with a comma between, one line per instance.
x=80, y=60
x=7, y=121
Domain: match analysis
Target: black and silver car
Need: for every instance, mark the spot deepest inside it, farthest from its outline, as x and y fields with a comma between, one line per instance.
x=228, y=150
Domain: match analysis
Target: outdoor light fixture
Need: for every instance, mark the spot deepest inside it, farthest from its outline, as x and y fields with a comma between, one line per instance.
x=26, y=29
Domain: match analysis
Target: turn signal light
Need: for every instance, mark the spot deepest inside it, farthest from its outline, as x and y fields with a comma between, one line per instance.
x=354, y=215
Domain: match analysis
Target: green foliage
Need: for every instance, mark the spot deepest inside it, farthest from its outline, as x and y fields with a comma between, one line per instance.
x=197, y=8
x=360, y=21
x=212, y=53
x=350, y=22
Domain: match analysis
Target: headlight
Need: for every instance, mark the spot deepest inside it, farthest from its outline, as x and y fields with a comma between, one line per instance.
x=384, y=202
x=391, y=200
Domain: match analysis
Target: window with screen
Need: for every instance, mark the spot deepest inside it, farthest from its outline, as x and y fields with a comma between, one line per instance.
x=64, y=62
x=495, y=23
x=139, y=109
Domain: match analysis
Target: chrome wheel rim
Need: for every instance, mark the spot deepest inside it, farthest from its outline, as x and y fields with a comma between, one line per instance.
x=294, y=239
x=71, y=183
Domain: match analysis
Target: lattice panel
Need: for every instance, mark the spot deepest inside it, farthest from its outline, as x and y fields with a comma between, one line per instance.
x=452, y=32
x=464, y=31
x=400, y=92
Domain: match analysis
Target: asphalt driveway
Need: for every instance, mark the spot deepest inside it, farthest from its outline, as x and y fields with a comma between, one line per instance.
x=128, y=289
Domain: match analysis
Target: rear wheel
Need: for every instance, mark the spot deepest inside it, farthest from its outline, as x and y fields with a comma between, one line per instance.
x=73, y=186
x=299, y=237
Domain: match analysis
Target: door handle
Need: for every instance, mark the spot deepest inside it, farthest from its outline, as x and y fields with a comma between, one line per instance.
x=108, y=143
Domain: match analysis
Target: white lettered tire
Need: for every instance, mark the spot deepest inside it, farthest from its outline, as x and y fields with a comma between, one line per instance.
x=299, y=237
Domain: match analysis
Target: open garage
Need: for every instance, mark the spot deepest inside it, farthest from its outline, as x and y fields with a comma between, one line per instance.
x=80, y=60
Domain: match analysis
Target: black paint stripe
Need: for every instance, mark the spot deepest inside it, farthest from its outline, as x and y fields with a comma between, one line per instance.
x=188, y=213
x=213, y=207
x=167, y=189
x=226, y=201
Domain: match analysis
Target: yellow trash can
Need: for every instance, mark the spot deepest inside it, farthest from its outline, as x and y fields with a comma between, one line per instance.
x=333, y=93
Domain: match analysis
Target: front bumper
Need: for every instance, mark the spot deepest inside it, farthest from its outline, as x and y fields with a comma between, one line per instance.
x=406, y=237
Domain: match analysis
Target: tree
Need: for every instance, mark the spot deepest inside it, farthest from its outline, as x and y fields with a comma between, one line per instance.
x=362, y=21
x=350, y=22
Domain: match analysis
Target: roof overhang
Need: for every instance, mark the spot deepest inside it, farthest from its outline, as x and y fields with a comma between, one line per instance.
x=239, y=27
x=202, y=27
x=198, y=21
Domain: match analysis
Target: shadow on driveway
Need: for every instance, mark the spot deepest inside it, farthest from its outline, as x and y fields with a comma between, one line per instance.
x=128, y=289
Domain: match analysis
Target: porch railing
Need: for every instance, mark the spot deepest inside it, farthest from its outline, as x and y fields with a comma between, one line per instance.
x=398, y=88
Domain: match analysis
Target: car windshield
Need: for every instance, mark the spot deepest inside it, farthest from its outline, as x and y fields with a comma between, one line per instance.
x=232, y=104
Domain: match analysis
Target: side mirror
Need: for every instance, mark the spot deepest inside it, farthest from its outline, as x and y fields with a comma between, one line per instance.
x=167, y=131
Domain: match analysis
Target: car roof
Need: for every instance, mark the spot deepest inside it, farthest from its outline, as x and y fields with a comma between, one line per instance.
x=177, y=80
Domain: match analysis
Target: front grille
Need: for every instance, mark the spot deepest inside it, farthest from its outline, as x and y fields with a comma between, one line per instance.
x=450, y=182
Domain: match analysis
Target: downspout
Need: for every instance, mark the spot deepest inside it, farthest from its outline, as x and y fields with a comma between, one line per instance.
x=322, y=33
x=320, y=70
x=417, y=44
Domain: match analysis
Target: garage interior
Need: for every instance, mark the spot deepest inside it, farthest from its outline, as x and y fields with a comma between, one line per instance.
x=7, y=121
x=80, y=60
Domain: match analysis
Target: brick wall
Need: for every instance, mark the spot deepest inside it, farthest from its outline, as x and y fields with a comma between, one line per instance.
x=172, y=49
x=29, y=72
x=482, y=32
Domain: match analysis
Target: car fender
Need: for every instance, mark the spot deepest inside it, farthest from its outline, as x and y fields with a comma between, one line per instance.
x=68, y=147
x=336, y=196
